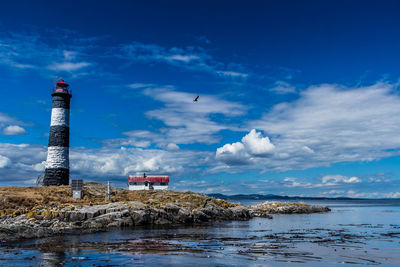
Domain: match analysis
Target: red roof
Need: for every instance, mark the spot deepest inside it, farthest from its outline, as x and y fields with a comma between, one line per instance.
x=149, y=178
x=62, y=84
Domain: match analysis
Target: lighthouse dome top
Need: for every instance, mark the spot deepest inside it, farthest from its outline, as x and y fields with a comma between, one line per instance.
x=62, y=87
x=61, y=83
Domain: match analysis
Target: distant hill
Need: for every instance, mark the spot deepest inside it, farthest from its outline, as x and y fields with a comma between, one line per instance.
x=277, y=197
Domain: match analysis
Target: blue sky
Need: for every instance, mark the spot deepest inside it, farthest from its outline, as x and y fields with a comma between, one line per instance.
x=296, y=97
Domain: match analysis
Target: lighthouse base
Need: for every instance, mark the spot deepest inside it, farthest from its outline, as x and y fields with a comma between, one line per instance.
x=57, y=176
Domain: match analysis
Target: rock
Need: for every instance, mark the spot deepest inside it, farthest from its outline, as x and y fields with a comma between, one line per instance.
x=273, y=207
x=172, y=208
x=195, y=208
x=184, y=216
x=200, y=216
x=240, y=213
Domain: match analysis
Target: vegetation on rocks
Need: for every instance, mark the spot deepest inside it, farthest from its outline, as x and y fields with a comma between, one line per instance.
x=31, y=198
x=28, y=212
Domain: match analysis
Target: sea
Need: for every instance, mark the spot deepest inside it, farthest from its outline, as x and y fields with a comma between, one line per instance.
x=354, y=233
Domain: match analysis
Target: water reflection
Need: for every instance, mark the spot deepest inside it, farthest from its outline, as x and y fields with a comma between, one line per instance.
x=53, y=258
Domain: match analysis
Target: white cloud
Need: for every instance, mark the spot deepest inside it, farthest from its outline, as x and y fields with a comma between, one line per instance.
x=184, y=58
x=14, y=130
x=190, y=122
x=292, y=182
x=282, y=87
x=190, y=58
x=356, y=194
x=6, y=119
x=70, y=55
x=4, y=161
x=37, y=52
x=330, y=186
x=233, y=154
x=257, y=145
x=335, y=179
x=106, y=162
x=140, y=85
x=233, y=74
x=185, y=122
x=172, y=146
x=308, y=150
x=68, y=66
x=22, y=162
x=330, y=123
x=392, y=195
x=333, y=193
x=203, y=186
x=252, y=145
x=324, y=182
x=25, y=162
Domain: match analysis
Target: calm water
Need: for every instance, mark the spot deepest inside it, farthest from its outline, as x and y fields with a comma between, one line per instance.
x=353, y=233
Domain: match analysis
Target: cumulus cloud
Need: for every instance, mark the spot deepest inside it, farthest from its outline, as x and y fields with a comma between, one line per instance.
x=233, y=154
x=257, y=145
x=329, y=123
x=252, y=145
x=14, y=130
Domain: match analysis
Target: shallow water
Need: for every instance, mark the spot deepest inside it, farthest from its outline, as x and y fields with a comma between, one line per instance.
x=358, y=233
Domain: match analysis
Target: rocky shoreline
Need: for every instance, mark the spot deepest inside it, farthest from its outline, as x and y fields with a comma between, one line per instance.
x=159, y=208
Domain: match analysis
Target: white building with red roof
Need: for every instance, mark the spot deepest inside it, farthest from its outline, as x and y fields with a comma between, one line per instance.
x=148, y=182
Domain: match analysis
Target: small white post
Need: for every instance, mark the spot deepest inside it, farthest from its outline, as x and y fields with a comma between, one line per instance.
x=108, y=191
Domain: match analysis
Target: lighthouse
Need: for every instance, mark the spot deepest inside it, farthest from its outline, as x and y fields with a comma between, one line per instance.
x=57, y=164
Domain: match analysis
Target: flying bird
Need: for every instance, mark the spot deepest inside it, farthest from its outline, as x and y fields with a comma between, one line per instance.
x=196, y=99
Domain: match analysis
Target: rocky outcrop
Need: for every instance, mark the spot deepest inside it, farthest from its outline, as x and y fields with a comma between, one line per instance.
x=112, y=215
x=87, y=219
x=45, y=211
x=275, y=207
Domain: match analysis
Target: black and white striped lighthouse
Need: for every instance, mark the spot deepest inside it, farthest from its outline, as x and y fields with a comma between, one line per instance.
x=57, y=164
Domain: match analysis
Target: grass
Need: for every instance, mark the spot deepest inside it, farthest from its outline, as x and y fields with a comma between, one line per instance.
x=28, y=199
